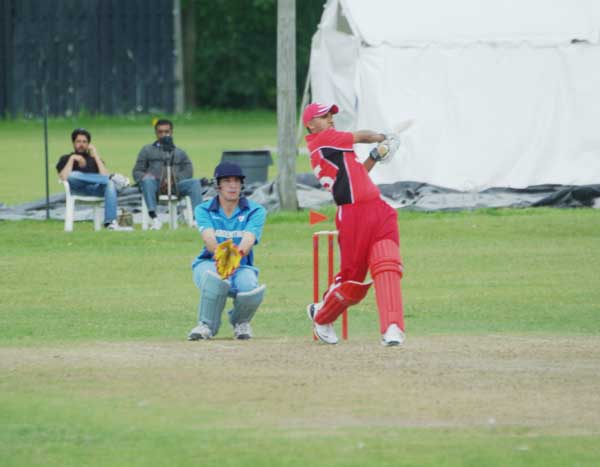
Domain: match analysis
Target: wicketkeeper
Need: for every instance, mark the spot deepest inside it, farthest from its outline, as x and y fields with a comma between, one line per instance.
x=367, y=225
x=230, y=225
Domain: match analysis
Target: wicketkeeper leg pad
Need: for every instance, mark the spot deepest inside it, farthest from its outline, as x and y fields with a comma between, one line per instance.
x=386, y=271
x=339, y=297
x=213, y=295
x=245, y=305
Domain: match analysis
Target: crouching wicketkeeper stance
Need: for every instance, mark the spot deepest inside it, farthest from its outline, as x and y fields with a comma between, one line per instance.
x=367, y=226
x=230, y=226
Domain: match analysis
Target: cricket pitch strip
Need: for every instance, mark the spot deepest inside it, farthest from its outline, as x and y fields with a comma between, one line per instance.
x=548, y=384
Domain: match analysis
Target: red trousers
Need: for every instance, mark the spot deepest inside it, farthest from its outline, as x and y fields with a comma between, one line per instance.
x=360, y=226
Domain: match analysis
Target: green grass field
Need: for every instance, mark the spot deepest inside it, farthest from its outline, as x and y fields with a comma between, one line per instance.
x=204, y=136
x=501, y=365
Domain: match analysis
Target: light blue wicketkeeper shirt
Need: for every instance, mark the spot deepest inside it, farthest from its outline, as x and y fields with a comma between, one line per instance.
x=247, y=217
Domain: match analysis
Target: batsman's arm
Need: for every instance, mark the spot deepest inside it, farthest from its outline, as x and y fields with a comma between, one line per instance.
x=368, y=136
x=210, y=239
x=369, y=163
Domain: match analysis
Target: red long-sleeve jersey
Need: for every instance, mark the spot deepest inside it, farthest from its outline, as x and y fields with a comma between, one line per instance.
x=338, y=169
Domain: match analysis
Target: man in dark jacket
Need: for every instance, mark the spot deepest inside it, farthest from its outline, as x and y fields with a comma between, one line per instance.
x=150, y=171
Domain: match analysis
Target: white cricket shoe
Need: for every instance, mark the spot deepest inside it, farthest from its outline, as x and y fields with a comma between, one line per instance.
x=114, y=225
x=155, y=224
x=242, y=331
x=325, y=332
x=202, y=331
x=393, y=336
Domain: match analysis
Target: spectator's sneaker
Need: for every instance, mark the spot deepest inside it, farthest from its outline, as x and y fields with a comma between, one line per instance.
x=120, y=181
x=325, y=332
x=202, y=331
x=114, y=225
x=242, y=331
x=155, y=224
x=393, y=336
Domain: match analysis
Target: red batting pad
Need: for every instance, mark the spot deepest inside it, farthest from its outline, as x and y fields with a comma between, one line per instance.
x=386, y=271
x=340, y=297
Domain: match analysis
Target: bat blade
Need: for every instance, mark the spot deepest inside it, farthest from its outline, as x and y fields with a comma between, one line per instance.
x=403, y=126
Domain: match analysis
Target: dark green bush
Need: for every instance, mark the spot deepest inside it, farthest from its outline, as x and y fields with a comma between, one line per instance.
x=236, y=51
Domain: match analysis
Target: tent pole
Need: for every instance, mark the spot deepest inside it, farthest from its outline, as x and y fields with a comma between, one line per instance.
x=303, y=103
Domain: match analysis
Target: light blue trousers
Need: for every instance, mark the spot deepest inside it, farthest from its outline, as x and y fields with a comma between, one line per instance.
x=244, y=279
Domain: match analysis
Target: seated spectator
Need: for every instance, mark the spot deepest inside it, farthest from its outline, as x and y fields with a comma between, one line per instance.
x=88, y=176
x=150, y=171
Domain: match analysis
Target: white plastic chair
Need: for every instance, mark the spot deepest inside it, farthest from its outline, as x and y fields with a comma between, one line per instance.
x=187, y=213
x=70, y=199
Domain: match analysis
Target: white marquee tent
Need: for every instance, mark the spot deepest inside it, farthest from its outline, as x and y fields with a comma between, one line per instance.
x=503, y=93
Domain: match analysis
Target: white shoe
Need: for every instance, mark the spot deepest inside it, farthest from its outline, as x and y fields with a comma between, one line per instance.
x=114, y=225
x=242, y=331
x=155, y=224
x=202, y=331
x=325, y=332
x=120, y=181
x=393, y=336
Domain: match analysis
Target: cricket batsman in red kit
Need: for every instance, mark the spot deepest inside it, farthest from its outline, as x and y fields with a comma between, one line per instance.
x=368, y=227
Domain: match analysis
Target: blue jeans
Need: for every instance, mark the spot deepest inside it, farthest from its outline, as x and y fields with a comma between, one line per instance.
x=189, y=187
x=244, y=279
x=88, y=184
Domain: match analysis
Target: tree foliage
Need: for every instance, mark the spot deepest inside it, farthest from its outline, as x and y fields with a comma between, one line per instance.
x=236, y=49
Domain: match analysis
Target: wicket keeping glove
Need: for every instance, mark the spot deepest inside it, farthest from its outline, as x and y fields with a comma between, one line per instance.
x=227, y=257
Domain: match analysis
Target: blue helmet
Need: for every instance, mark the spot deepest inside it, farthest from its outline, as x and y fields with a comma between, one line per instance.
x=228, y=169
